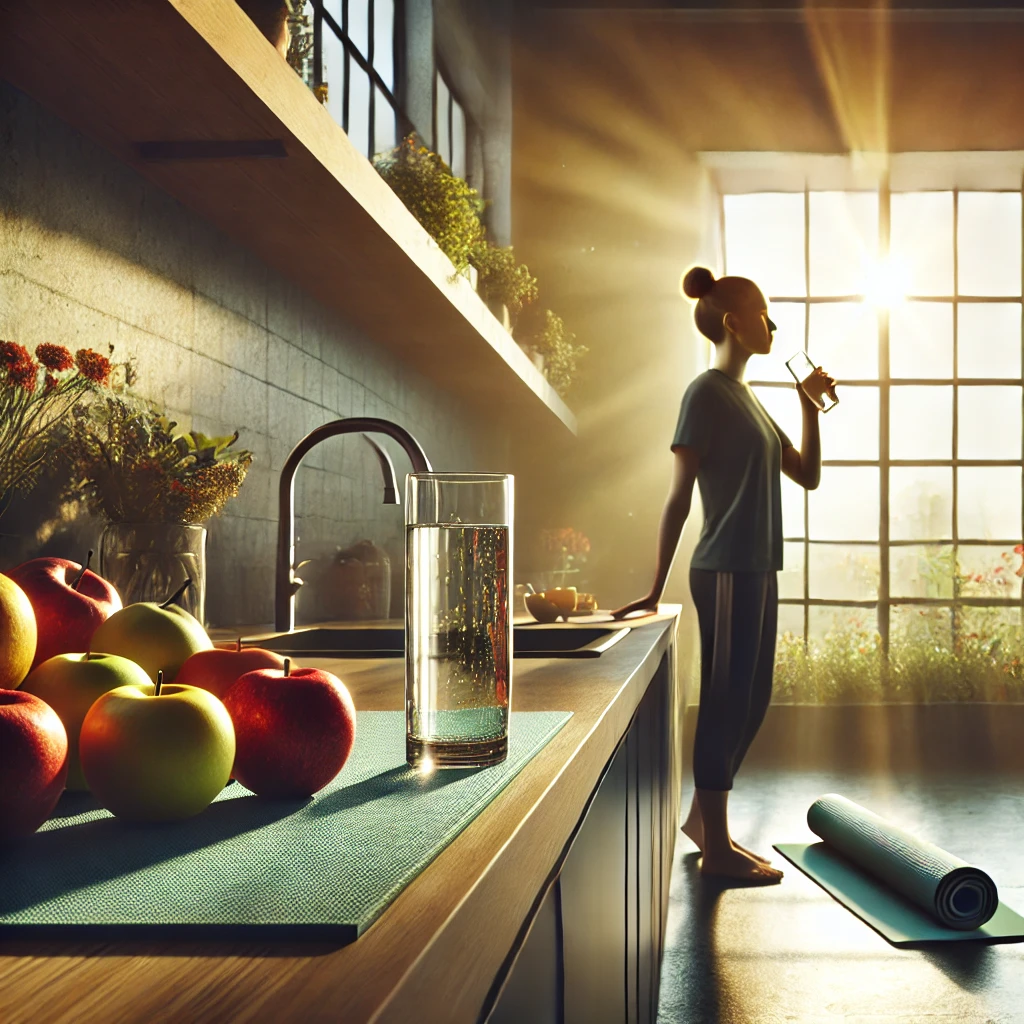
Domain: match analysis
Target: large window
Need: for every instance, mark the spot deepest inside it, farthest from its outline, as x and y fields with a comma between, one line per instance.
x=356, y=59
x=913, y=301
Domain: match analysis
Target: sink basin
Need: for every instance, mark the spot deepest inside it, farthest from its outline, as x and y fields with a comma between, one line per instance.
x=528, y=641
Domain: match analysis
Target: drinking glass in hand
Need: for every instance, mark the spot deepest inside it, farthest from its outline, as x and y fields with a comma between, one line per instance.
x=802, y=368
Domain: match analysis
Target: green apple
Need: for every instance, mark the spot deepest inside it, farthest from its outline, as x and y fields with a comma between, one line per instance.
x=157, y=754
x=71, y=684
x=159, y=637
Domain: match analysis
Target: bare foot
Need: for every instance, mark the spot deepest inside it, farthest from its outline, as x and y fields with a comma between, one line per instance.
x=693, y=829
x=734, y=864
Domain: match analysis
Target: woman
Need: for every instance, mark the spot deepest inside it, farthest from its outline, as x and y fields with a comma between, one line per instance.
x=727, y=442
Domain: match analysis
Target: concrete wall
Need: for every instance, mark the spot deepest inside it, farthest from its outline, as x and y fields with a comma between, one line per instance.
x=92, y=255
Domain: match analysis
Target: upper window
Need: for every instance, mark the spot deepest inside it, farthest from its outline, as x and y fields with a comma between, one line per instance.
x=355, y=59
x=449, y=128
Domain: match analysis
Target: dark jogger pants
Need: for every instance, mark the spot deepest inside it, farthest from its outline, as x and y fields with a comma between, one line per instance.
x=737, y=613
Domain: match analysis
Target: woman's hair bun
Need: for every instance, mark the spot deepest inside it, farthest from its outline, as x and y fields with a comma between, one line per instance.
x=698, y=282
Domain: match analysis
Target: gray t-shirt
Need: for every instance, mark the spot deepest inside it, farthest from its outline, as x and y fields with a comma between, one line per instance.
x=740, y=450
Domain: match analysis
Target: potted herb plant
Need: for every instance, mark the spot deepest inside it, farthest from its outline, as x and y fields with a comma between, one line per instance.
x=447, y=207
x=154, y=487
x=505, y=284
x=546, y=333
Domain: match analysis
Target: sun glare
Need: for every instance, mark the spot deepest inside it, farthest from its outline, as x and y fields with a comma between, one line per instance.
x=886, y=282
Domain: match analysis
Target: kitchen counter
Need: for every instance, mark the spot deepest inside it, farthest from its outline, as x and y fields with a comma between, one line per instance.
x=443, y=948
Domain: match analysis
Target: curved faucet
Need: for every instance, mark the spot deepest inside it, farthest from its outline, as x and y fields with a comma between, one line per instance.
x=287, y=583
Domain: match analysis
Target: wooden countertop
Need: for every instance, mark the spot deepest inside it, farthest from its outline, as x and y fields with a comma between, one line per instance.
x=434, y=953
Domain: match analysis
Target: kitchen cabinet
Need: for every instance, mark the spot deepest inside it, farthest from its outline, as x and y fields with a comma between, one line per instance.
x=594, y=951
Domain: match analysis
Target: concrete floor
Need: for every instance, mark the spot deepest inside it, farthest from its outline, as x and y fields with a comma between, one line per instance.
x=790, y=953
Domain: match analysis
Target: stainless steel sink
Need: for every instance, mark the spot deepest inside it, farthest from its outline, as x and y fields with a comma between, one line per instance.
x=528, y=641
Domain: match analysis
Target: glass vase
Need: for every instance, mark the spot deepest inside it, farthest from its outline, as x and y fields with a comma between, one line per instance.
x=458, y=640
x=150, y=561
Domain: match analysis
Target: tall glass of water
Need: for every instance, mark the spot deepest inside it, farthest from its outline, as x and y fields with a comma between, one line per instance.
x=458, y=616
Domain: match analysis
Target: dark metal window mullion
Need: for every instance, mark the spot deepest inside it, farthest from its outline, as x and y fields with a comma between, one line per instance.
x=954, y=611
x=373, y=82
x=807, y=349
x=347, y=88
x=884, y=407
x=318, y=47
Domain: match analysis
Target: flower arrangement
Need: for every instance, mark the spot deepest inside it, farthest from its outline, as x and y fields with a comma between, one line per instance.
x=130, y=466
x=447, y=207
x=969, y=653
x=36, y=395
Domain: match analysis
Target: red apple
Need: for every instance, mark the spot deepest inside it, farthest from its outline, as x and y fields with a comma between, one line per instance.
x=69, y=603
x=218, y=670
x=293, y=731
x=33, y=763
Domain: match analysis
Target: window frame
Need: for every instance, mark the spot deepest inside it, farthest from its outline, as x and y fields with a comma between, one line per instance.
x=885, y=601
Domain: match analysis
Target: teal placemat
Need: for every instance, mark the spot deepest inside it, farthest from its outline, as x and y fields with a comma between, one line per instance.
x=248, y=868
x=889, y=913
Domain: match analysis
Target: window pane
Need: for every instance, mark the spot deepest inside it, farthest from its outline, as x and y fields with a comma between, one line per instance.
x=988, y=571
x=789, y=318
x=791, y=578
x=988, y=623
x=332, y=73
x=845, y=505
x=359, y=25
x=383, y=123
x=988, y=243
x=458, y=141
x=792, y=508
x=921, y=237
x=359, y=107
x=844, y=340
x=914, y=631
x=921, y=571
x=989, y=422
x=764, y=240
x=384, y=41
x=988, y=339
x=920, y=503
x=921, y=339
x=843, y=623
x=791, y=620
x=851, y=431
x=843, y=572
x=910, y=406
x=783, y=406
x=989, y=502
x=843, y=241
x=441, y=127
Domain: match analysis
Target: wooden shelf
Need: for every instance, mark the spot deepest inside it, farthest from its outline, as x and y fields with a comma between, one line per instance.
x=199, y=71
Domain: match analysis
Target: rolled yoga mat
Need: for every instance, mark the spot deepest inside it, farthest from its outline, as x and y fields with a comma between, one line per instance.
x=875, y=868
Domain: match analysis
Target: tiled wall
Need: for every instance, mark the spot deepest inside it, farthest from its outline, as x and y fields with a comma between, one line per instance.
x=91, y=254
